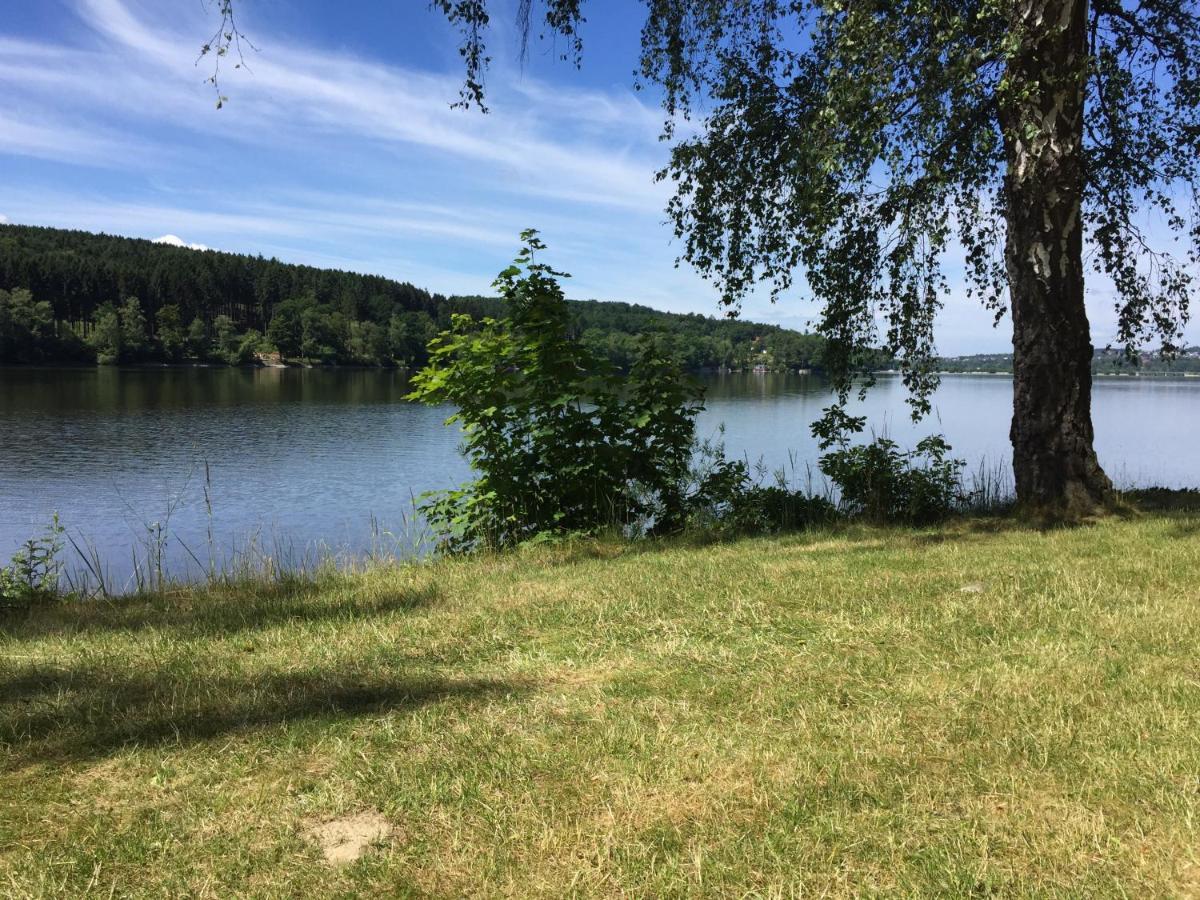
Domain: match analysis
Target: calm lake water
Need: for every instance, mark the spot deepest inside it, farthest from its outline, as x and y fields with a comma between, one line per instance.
x=302, y=462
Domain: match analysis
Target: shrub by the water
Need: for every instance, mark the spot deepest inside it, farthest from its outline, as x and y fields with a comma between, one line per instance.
x=560, y=443
x=33, y=574
x=880, y=482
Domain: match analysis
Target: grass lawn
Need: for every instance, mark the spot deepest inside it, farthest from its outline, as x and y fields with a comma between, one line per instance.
x=972, y=710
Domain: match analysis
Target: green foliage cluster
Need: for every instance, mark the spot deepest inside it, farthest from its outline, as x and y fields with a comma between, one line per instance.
x=614, y=331
x=29, y=332
x=34, y=572
x=875, y=481
x=118, y=333
x=224, y=307
x=121, y=334
x=559, y=443
x=880, y=482
x=304, y=328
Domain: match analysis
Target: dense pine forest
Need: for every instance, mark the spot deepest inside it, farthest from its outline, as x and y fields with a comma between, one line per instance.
x=73, y=296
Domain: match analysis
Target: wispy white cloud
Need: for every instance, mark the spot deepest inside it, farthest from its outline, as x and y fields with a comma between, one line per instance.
x=303, y=216
x=52, y=139
x=325, y=157
x=586, y=147
x=321, y=153
x=442, y=189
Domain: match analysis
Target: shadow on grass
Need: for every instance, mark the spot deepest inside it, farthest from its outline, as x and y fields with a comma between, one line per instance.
x=983, y=529
x=851, y=536
x=861, y=536
x=216, y=612
x=53, y=713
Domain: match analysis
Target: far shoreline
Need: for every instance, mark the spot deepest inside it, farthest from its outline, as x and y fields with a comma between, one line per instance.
x=74, y=365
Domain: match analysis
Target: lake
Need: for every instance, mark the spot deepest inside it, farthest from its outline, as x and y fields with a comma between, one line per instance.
x=298, y=463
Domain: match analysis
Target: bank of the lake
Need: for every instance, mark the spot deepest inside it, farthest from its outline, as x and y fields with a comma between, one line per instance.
x=296, y=464
x=977, y=709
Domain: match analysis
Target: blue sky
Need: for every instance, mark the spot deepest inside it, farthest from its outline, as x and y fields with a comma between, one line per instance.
x=339, y=148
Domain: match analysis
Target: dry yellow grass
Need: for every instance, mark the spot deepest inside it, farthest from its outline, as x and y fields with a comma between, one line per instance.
x=820, y=715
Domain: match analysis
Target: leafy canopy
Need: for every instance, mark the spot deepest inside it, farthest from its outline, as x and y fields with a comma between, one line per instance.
x=855, y=143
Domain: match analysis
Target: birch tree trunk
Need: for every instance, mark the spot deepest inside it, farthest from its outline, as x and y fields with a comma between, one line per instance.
x=1057, y=473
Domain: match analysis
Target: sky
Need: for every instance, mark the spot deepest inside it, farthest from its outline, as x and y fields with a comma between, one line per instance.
x=338, y=147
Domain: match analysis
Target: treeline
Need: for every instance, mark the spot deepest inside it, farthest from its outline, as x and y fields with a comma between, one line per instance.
x=1104, y=362
x=78, y=296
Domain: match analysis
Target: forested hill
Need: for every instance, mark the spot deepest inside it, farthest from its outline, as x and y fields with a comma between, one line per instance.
x=83, y=296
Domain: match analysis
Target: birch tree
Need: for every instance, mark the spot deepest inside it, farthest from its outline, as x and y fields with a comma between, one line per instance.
x=847, y=149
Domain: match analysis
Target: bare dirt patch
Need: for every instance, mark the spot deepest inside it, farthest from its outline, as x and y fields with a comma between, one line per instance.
x=346, y=839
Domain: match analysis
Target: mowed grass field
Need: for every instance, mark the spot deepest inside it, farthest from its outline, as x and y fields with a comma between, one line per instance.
x=978, y=709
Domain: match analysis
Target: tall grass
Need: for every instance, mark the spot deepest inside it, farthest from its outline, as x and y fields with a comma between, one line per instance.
x=266, y=558
x=259, y=558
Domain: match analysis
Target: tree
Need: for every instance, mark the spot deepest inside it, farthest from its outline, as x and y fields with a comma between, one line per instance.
x=133, y=330
x=225, y=337
x=108, y=337
x=368, y=343
x=855, y=143
x=408, y=336
x=10, y=329
x=286, y=331
x=247, y=349
x=321, y=338
x=197, y=338
x=169, y=331
x=26, y=327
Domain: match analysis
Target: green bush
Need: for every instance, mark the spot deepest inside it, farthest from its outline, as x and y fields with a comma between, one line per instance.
x=249, y=345
x=230, y=347
x=559, y=442
x=33, y=574
x=880, y=482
